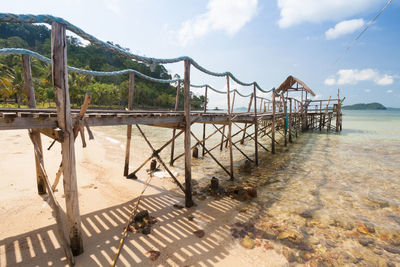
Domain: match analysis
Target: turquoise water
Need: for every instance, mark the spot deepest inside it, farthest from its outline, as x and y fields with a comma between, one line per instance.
x=328, y=198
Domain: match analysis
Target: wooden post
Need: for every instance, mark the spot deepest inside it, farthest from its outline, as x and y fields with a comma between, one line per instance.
x=290, y=121
x=306, y=112
x=245, y=125
x=337, y=111
x=297, y=117
x=129, y=127
x=188, y=158
x=286, y=120
x=178, y=89
x=204, y=124
x=30, y=92
x=229, y=127
x=273, y=123
x=233, y=104
x=320, y=115
x=255, y=125
x=61, y=91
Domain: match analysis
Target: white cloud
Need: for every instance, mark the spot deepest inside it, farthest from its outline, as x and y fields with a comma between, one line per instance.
x=296, y=12
x=343, y=28
x=330, y=81
x=353, y=76
x=385, y=80
x=222, y=15
x=389, y=91
x=367, y=90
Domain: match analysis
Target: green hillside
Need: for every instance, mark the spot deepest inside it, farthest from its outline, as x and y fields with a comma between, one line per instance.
x=106, y=91
x=370, y=106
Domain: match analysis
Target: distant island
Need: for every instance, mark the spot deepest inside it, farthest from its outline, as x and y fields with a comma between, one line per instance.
x=362, y=106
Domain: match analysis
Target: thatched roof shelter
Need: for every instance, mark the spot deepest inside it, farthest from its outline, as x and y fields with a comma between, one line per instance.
x=294, y=84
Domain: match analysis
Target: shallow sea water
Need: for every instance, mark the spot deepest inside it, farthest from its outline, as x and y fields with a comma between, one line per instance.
x=328, y=199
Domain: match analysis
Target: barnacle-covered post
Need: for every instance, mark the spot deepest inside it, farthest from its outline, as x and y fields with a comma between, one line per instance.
x=61, y=91
x=188, y=159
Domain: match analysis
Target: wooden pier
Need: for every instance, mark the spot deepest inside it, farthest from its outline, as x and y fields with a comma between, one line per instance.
x=282, y=114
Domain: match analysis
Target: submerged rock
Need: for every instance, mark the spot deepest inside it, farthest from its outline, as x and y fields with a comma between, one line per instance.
x=365, y=241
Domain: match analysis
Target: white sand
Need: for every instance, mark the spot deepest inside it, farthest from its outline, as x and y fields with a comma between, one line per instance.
x=28, y=235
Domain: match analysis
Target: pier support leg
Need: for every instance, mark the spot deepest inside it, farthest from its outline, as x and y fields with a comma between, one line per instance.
x=178, y=89
x=61, y=91
x=290, y=121
x=273, y=123
x=204, y=124
x=188, y=158
x=30, y=92
x=229, y=128
x=255, y=125
x=129, y=127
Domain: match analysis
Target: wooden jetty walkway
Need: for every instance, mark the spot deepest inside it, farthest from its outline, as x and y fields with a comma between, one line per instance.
x=281, y=114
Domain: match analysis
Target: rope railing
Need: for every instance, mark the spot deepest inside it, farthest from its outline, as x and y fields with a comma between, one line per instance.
x=28, y=18
x=22, y=51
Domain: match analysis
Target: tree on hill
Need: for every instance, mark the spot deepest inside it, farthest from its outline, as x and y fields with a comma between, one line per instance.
x=107, y=91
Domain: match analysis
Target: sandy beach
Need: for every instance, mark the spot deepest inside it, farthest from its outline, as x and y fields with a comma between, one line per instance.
x=28, y=231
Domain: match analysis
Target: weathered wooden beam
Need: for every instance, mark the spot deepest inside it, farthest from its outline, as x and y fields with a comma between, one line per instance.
x=60, y=81
x=273, y=123
x=30, y=92
x=290, y=121
x=204, y=125
x=61, y=228
x=178, y=89
x=255, y=125
x=131, y=94
x=229, y=137
x=248, y=110
x=56, y=134
x=188, y=158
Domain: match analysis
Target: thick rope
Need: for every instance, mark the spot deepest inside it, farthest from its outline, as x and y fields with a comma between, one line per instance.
x=21, y=51
x=14, y=18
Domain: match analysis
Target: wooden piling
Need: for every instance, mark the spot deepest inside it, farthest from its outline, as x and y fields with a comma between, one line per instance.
x=273, y=123
x=178, y=89
x=255, y=125
x=290, y=121
x=30, y=93
x=129, y=127
x=188, y=158
x=245, y=125
x=61, y=91
x=229, y=127
x=204, y=124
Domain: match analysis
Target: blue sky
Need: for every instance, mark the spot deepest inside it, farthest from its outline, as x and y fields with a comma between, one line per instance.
x=259, y=40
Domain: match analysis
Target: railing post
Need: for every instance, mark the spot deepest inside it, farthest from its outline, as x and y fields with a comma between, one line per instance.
x=245, y=125
x=188, y=158
x=290, y=121
x=204, y=124
x=286, y=119
x=255, y=125
x=273, y=123
x=178, y=89
x=320, y=115
x=129, y=127
x=337, y=111
x=61, y=91
x=30, y=93
x=229, y=126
